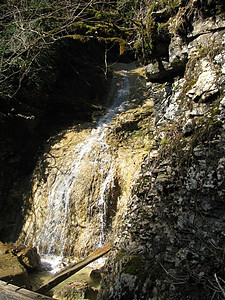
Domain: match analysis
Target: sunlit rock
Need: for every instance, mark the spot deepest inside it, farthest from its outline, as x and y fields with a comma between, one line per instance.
x=205, y=85
x=82, y=184
x=178, y=52
x=76, y=290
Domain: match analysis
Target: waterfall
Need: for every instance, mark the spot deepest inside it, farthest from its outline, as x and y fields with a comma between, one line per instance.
x=91, y=156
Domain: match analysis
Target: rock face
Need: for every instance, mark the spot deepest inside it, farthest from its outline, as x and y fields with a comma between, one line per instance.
x=82, y=184
x=170, y=245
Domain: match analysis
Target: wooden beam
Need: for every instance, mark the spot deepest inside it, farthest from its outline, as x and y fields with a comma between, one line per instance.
x=11, y=292
x=74, y=268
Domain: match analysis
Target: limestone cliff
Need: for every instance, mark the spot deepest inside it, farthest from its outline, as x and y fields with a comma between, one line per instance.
x=171, y=244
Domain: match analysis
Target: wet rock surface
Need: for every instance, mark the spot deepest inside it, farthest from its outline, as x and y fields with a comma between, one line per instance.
x=92, y=174
x=29, y=258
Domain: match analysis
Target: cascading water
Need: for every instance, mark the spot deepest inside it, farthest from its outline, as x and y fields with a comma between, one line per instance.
x=90, y=158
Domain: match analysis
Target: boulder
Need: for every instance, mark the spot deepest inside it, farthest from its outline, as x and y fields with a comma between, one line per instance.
x=96, y=274
x=77, y=290
x=161, y=71
x=201, y=27
x=29, y=258
x=11, y=270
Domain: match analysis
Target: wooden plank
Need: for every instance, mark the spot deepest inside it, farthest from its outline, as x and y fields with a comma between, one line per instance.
x=74, y=268
x=12, y=292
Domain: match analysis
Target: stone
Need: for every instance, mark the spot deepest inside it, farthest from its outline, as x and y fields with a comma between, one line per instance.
x=104, y=182
x=184, y=183
x=77, y=290
x=222, y=102
x=176, y=180
x=29, y=258
x=10, y=268
x=197, y=112
x=205, y=87
x=178, y=53
x=171, y=112
x=153, y=72
x=162, y=179
x=201, y=27
x=96, y=274
x=188, y=127
x=161, y=71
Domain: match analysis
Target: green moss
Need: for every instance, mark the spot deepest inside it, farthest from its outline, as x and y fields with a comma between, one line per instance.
x=137, y=46
x=148, y=148
x=164, y=141
x=162, y=29
x=138, y=133
x=120, y=255
x=189, y=84
x=77, y=37
x=216, y=111
x=135, y=266
x=83, y=28
x=103, y=15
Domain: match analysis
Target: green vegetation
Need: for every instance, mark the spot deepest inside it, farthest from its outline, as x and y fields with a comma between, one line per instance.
x=30, y=28
x=136, y=266
x=175, y=142
x=120, y=255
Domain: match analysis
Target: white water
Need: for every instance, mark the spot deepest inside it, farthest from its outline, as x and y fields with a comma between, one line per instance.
x=54, y=232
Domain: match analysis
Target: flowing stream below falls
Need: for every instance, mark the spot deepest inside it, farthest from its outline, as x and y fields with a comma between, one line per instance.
x=82, y=183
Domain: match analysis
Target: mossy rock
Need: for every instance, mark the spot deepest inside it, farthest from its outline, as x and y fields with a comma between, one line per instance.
x=135, y=265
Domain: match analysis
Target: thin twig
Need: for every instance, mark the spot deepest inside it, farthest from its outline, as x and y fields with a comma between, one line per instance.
x=221, y=288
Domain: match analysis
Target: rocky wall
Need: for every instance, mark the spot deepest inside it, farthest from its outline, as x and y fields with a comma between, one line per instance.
x=171, y=244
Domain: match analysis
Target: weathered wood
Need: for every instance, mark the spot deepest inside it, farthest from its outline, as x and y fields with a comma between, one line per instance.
x=74, y=268
x=12, y=292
